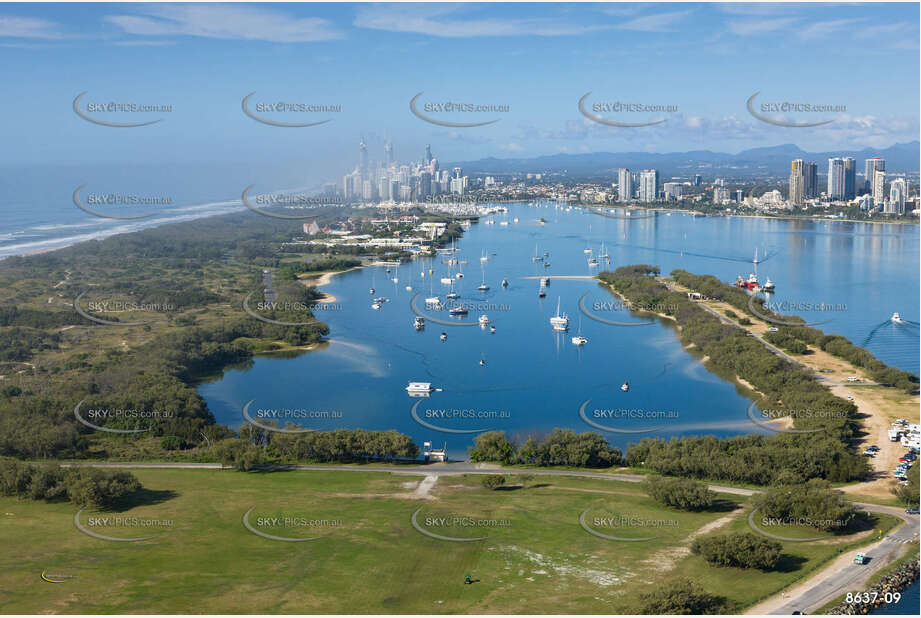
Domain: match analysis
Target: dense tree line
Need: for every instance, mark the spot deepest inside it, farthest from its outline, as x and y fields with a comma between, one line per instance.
x=741, y=549
x=909, y=493
x=82, y=486
x=679, y=493
x=786, y=387
x=340, y=445
x=836, y=345
x=561, y=447
x=681, y=597
x=813, y=504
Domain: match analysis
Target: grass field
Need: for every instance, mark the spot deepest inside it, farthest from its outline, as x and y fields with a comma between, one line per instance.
x=368, y=557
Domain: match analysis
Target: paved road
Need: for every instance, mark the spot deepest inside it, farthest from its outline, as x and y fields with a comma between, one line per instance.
x=448, y=469
x=853, y=577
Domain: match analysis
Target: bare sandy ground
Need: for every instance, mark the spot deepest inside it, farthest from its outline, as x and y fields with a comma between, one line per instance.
x=320, y=279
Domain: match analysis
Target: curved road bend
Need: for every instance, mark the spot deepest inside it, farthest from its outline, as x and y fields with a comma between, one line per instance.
x=829, y=583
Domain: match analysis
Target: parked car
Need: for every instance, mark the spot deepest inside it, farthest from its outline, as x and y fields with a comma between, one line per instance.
x=912, y=511
x=860, y=559
x=773, y=329
x=852, y=378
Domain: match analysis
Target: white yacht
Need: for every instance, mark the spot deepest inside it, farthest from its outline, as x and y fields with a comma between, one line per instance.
x=419, y=387
x=544, y=282
x=579, y=339
x=625, y=386
x=419, y=323
x=375, y=305
x=560, y=321
x=768, y=285
x=484, y=320
x=433, y=302
x=444, y=336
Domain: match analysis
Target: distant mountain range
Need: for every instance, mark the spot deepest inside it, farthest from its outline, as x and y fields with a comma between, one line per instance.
x=770, y=160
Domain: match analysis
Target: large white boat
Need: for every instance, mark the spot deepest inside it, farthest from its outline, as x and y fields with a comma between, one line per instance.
x=484, y=320
x=560, y=321
x=768, y=285
x=419, y=387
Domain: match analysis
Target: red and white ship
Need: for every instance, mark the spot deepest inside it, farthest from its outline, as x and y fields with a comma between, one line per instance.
x=749, y=284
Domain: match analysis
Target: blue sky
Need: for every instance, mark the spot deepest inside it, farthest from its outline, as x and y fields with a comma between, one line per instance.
x=371, y=59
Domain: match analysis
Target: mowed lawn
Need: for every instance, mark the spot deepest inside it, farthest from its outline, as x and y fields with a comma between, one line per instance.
x=367, y=556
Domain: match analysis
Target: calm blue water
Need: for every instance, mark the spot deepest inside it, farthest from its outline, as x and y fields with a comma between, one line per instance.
x=535, y=379
x=908, y=605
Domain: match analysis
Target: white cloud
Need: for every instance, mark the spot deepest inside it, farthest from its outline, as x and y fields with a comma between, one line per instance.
x=217, y=21
x=662, y=22
x=28, y=28
x=761, y=26
x=826, y=28
x=441, y=21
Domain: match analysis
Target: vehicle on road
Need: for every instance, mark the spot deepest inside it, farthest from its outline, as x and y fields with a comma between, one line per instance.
x=912, y=511
x=860, y=559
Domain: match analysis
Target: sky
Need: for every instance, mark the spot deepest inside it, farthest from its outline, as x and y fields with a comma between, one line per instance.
x=539, y=60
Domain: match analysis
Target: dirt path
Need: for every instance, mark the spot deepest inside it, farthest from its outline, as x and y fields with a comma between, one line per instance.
x=665, y=559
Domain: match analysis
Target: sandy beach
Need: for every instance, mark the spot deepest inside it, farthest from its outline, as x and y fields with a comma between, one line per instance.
x=318, y=280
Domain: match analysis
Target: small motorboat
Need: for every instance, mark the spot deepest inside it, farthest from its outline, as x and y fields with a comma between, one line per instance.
x=542, y=293
x=492, y=330
x=625, y=386
x=484, y=320
x=452, y=295
x=458, y=311
x=505, y=283
x=371, y=290
x=482, y=362
x=419, y=323
x=375, y=305
x=483, y=287
x=444, y=336
x=896, y=318
x=768, y=285
x=579, y=340
x=409, y=288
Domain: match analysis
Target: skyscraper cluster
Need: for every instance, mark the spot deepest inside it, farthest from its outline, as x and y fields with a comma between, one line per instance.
x=842, y=178
x=388, y=180
x=646, y=185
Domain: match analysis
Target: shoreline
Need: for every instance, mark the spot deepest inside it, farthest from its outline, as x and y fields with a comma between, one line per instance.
x=318, y=280
x=103, y=236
